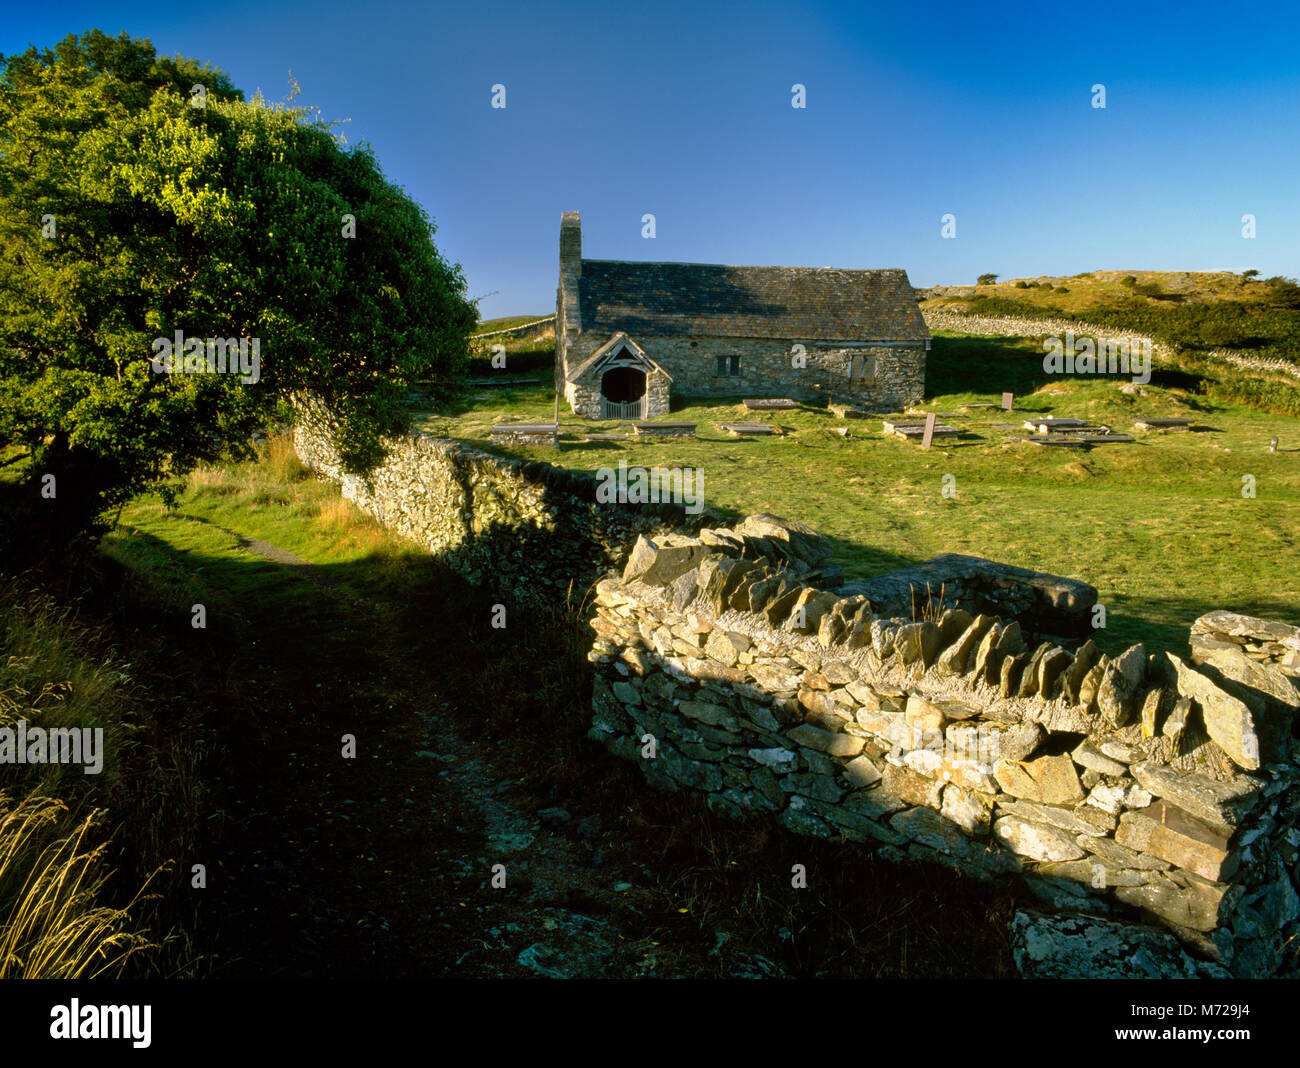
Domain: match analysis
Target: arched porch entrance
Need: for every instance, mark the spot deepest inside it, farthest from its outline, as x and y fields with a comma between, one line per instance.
x=622, y=393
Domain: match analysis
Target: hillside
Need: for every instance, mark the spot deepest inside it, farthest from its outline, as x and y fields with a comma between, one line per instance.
x=1196, y=310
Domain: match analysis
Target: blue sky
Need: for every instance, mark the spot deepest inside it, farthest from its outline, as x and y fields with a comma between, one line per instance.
x=683, y=110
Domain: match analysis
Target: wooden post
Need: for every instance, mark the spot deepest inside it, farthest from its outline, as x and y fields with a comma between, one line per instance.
x=929, y=430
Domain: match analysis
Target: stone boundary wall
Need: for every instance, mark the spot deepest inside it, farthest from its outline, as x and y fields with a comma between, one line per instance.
x=1127, y=792
x=1013, y=326
x=524, y=529
x=515, y=331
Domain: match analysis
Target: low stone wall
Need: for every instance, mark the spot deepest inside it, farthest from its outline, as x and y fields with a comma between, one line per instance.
x=1134, y=789
x=526, y=529
x=1218, y=635
x=537, y=326
x=1016, y=326
x=1044, y=605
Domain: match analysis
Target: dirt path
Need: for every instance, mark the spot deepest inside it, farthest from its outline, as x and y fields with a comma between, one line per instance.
x=384, y=866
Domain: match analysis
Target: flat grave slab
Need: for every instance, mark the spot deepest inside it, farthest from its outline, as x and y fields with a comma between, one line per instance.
x=847, y=411
x=978, y=404
x=502, y=382
x=1163, y=424
x=607, y=437
x=527, y=433
x=1104, y=439
x=909, y=430
x=742, y=430
x=664, y=430
x=1047, y=426
x=1062, y=440
x=765, y=404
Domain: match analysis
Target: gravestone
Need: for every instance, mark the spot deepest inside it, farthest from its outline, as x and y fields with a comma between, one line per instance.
x=929, y=431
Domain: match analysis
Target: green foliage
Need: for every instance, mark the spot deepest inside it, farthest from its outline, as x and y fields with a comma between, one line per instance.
x=986, y=279
x=1267, y=328
x=221, y=221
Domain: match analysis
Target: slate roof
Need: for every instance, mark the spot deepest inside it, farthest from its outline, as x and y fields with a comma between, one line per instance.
x=713, y=300
x=618, y=340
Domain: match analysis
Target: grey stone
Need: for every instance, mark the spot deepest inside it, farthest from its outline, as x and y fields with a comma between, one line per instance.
x=1181, y=898
x=1120, y=684
x=1029, y=678
x=1220, y=805
x=1227, y=719
x=861, y=771
x=1114, y=855
x=1051, y=780
x=1072, y=678
x=931, y=829
x=1085, y=947
x=953, y=660
x=968, y=809
x=774, y=758
x=1086, y=755
x=911, y=787
x=1036, y=840
x=1050, y=667
x=1063, y=818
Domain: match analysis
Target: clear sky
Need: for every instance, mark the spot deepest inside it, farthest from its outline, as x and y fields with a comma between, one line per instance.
x=683, y=110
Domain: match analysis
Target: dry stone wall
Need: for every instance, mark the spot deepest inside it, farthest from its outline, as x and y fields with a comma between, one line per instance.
x=1017, y=326
x=526, y=529
x=1127, y=791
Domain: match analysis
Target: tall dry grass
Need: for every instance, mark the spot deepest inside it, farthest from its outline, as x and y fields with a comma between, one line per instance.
x=51, y=925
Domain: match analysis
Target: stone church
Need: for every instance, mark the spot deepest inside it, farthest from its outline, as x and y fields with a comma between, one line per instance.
x=630, y=336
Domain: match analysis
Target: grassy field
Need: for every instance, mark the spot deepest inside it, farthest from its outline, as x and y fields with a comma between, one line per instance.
x=1159, y=526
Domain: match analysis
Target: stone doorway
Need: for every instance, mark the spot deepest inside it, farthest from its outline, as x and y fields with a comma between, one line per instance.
x=622, y=393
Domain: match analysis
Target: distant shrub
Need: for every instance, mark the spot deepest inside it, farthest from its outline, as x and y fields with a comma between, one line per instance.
x=1045, y=285
x=1023, y=285
x=986, y=279
x=1063, y=289
x=1283, y=292
x=1252, y=273
x=1129, y=280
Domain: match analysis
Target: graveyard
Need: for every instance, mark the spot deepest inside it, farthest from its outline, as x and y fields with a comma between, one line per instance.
x=1138, y=492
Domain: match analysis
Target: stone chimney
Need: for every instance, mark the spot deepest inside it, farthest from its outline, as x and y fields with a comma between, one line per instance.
x=567, y=325
x=570, y=243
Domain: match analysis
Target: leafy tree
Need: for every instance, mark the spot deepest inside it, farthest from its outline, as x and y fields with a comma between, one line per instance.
x=986, y=279
x=133, y=205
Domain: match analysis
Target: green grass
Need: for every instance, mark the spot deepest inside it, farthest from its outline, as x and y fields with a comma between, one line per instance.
x=1159, y=526
x=508, y=322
